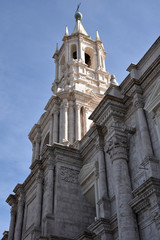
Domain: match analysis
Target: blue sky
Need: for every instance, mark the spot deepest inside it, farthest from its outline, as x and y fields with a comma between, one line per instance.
x=29, y=31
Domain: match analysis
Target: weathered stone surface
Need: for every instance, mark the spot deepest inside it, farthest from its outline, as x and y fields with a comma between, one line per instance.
x=108, y=183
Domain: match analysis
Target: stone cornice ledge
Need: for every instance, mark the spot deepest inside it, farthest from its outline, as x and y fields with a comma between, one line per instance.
x=100, y=225
x=143, y=192
x=108, y=100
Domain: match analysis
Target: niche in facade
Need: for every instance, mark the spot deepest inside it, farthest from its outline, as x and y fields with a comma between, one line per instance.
x=88, y=60
x=74, y=51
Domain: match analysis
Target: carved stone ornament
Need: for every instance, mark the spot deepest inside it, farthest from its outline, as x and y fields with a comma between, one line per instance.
x=138, y=101
x=116, y=142
x=69, y=175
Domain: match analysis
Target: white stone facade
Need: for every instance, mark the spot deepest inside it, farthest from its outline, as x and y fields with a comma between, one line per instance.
x=97, y=178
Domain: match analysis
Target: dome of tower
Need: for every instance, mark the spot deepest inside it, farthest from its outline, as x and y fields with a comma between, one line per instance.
x=78, y=16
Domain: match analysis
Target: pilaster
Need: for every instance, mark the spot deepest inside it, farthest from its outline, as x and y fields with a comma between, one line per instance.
x=37, y=147
x=142, y=125
x=38, y=212
x=20, y=210
x=117, y=149
x=55, y=125
x=51, y=129
x=11, y=200
x=77, y=122
x=103, y=202
x=149, y=162
x=71, y=122
x=49, y=218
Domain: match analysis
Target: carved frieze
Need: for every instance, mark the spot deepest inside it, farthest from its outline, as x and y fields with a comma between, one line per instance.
x=68, y=175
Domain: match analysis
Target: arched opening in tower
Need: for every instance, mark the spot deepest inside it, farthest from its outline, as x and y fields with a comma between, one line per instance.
x=74, y=51
x=75, y=55
x=87, y=59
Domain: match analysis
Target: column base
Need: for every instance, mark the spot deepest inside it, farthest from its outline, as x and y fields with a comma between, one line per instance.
x=48, y=225
x=104, y=207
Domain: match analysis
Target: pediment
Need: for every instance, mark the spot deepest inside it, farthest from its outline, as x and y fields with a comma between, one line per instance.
x=153, y=101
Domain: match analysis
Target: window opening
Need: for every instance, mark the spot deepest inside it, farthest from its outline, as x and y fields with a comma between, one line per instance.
x=87, y=59
x=75, y=55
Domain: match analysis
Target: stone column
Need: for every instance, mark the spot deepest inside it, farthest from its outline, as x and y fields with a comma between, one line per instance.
x=51, y=130
x=103, y=192
x=19, y=220
x=56, y=125
x=61, y=129
x=117, y=149
x=71, y=122
x=85, y=119
x=37, y=147
x=143, y=127
x=12, y=222
x=50, y=180
x=38, y=211
x=65, y=114
x=77, y=122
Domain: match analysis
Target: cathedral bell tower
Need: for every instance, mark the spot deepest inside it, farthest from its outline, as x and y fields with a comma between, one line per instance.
x=80, y=80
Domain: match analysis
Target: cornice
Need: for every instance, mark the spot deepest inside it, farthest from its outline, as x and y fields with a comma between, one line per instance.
x=109, y=106
x=149, y=53
x=35, y=129
x=11, y=199
x=143, y=192
x=53, y=100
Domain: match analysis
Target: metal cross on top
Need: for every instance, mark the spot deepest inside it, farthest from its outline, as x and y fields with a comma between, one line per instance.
x=78, y=7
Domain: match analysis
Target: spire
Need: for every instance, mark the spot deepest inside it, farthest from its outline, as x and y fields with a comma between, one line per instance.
x=97, y=36
x=66, y=32
x=78, y=26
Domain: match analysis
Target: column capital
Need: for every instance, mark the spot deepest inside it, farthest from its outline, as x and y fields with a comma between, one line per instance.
x=71, y=103
x=50, y=164
x=117, y=148
x=86, y=109
x=138, y=101
x=38, y=138
x=13, y=209
x=77, y=106
x=64, y=103
x=21, y=199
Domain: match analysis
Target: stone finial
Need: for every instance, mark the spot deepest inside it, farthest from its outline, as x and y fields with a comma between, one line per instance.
x=66, y=31
x=97, y=36
x=114, y=80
